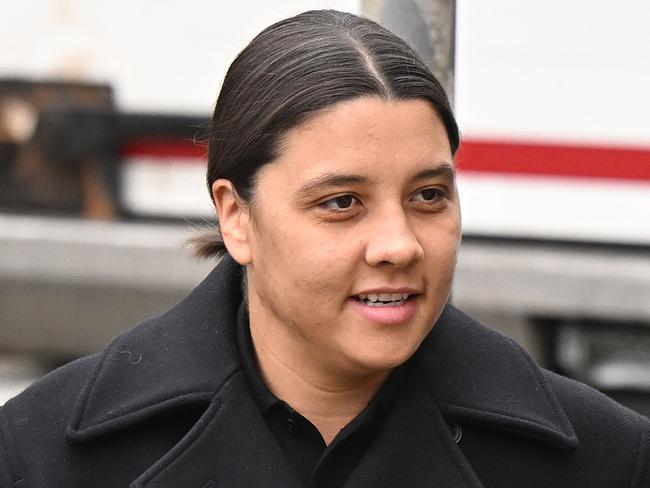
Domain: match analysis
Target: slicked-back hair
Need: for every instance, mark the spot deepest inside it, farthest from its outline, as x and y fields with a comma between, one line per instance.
x=295, y=69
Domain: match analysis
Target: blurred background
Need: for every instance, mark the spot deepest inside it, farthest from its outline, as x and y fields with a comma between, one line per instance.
x=103, y=106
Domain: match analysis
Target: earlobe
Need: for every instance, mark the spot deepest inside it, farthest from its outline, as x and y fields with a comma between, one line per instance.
x=234, y=215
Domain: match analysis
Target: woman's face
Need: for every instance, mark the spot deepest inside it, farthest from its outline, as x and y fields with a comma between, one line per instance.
x=353, y=236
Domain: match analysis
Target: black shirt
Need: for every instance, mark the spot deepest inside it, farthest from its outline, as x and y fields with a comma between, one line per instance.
x=316, y=464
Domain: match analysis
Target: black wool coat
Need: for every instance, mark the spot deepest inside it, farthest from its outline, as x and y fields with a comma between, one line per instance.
x=166, y=405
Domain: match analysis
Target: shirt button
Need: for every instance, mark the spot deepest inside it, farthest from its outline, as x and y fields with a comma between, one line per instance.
x=456, y=431
x=292, y=426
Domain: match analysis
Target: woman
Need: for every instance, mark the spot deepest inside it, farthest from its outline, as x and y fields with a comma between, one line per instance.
x=321, y=351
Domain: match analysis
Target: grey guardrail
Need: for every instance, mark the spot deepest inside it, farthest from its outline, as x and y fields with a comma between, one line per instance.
x=94, y=252
x=68, y=285
x=537, y=279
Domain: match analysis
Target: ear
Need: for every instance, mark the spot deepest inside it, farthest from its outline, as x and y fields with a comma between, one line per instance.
x=234, y=216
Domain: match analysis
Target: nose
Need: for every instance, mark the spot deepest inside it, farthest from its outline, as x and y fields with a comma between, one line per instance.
x=392, y=241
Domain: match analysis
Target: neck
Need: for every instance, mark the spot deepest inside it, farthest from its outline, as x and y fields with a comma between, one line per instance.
x=328, y=399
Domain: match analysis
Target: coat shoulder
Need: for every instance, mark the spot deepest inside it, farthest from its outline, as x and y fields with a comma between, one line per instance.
x=586, y=406
x=511, y=408
x=63, y=427
x=151, y=383
x=605, y=429
x=35, y=421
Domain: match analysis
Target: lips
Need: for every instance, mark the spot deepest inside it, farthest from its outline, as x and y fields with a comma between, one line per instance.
x=387, y=307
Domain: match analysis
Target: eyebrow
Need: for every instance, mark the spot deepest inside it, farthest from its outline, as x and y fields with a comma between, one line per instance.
x=328, y=180
x=445, y=170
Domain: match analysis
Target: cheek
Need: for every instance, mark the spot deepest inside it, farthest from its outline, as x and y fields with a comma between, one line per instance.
x=441, y=253
x=443, y=240
x=302, y=259
x=321, y=272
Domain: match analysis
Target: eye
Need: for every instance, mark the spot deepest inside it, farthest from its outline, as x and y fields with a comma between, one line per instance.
x=428, y=195
x=340, y=203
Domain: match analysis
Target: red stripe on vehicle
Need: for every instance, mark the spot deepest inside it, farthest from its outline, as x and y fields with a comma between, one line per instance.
x=478, y=155
x=491, y=156
x=168, y=148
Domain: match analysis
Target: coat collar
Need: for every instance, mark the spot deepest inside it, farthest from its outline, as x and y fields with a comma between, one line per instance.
x=182, y=356
x=187, y=354
x=481, y=377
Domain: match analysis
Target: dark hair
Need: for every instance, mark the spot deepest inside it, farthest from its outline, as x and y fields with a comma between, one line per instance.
x=291, y=71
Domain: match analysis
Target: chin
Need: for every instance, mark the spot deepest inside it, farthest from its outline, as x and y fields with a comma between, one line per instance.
x=378, y=360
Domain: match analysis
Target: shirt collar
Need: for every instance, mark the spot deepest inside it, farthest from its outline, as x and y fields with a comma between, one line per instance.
x=264, y=398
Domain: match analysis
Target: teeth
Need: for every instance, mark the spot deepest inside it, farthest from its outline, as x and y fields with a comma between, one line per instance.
x=381, y=298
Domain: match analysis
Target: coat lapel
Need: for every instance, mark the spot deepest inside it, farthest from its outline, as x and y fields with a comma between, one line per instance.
x=479, y=376
x=229, y=447
x=415, y=448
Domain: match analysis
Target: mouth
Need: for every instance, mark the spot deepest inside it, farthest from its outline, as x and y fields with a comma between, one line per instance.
x=387, y=307
x=383, y=299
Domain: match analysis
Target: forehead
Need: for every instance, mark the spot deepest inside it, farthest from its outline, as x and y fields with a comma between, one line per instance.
x=365, y=135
